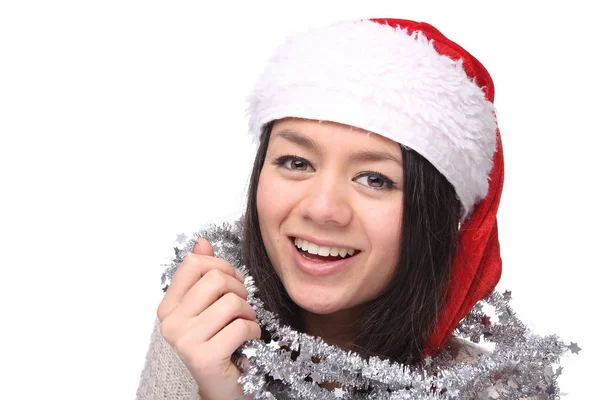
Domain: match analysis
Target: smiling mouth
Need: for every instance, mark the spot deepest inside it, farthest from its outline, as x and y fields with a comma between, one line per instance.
x=322, y=254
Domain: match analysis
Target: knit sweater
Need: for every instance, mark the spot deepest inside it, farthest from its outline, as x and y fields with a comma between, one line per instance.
x=164, y=376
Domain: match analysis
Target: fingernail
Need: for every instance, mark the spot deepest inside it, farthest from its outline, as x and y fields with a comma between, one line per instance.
x=197, y=248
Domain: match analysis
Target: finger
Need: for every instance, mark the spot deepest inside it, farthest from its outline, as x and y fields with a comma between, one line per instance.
x=203, y=247
x=220, y=314
x=191, y=271
x=228, y=339
x=213, y=285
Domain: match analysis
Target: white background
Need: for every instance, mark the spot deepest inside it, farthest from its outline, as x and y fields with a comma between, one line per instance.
x=123, y=124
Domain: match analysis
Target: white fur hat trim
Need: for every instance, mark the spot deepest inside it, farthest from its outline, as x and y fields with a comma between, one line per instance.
x=386, y=81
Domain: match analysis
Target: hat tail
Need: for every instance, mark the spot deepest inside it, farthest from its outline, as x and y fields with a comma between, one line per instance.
x=477, y=266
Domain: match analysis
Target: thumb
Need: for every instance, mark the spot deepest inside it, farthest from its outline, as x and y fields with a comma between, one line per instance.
x=203, y=247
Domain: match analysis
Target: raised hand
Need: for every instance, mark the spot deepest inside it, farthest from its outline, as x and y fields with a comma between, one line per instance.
x=205, y=318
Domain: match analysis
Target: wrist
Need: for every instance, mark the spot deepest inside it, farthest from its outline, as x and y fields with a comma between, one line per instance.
x=228, y=389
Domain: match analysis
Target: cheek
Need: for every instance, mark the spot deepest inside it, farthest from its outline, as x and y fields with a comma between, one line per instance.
x=274, y=204
x=266, y=207
x=268, y=204
x=276, y=197
x=263, y=194
x=384, y=226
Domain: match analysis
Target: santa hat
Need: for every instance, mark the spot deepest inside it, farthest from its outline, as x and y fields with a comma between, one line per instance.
x=406, y=81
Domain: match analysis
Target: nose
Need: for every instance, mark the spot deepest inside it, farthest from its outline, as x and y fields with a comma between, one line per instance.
x=327, y=202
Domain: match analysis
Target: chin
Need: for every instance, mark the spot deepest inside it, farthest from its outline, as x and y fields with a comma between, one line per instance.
x=316, y=301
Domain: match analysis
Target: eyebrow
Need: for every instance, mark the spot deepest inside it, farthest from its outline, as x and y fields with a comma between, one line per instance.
x=363, y=156
x=300, y=140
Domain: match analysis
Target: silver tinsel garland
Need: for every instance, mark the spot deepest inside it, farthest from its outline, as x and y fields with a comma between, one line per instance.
x=522, y=365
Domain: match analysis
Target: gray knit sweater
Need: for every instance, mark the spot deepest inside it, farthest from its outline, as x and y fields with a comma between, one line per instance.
x=164, y=376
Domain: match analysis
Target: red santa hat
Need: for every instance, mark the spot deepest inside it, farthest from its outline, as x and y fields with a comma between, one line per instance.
x=406, y=81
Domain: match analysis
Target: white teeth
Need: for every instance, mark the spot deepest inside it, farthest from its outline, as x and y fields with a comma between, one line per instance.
x=313, y=248
x=322, y=250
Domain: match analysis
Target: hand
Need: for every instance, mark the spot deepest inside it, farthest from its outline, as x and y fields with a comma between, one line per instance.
x=205, y=318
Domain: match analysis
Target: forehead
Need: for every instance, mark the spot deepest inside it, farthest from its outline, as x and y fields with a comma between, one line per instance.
x=328, y=135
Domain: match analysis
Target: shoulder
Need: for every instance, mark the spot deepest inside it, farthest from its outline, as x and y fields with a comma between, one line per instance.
x=464, y=351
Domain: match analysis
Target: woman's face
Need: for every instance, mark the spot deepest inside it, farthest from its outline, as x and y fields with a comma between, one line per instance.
x=332, y=190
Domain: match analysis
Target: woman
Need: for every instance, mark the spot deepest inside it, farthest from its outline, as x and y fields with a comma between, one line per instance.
x=371, y=215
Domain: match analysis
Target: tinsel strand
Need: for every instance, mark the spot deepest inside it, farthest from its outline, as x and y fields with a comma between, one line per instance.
x=521, y=365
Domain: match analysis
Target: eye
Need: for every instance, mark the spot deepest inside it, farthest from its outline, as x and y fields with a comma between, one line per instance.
x=293, y=163
x=375, y=180
x=297, y=165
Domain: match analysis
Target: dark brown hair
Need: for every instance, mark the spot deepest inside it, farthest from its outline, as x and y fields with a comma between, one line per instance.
x=397, y=324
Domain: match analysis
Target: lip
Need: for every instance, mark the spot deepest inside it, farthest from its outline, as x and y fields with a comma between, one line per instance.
x=319, y=268
x=322, y=242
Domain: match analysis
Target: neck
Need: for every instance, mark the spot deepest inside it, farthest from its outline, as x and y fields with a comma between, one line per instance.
x=337, y=329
